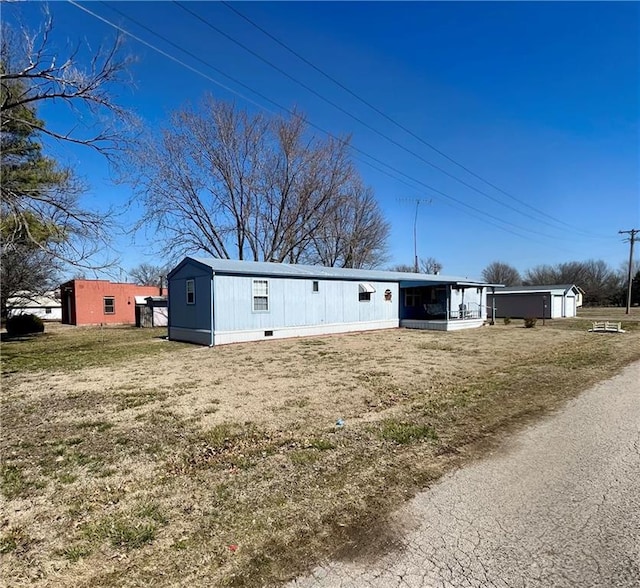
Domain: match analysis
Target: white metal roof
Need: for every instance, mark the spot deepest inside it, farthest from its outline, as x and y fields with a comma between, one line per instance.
x=264, y=268
x=553, y=289
x=29, y=300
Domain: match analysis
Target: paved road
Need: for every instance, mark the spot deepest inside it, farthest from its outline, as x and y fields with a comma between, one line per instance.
x=558, y=507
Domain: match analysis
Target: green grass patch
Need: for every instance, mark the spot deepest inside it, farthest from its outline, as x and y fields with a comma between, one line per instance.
x=75, y=553
x=14, y=483
x=120, y=531
x=14, y=540
x=152, y=512
x=321, y=444
x=404, y=433
x=70, y=349
x=139, y=398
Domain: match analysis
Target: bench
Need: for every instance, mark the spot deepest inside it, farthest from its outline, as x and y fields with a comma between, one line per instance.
x=606, y=327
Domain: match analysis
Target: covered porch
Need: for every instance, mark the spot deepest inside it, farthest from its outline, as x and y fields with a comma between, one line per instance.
x=446, y=306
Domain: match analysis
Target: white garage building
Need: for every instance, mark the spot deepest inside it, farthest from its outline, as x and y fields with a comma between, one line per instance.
x=549, y=302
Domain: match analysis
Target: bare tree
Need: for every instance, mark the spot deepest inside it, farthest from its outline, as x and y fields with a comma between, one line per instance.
x=240, y=185
x=498, y=272
x=402, y=267
x=427, y=265
x=354, y=234
x=599, y=281
x=430, y=265
x=34, y=71
x=41, y=217
x=147, y=274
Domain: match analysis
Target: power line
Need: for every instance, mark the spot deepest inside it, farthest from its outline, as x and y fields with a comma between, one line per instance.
x=357, y=118
x=283, y=108
x=454, y=203
x=312, y=124
x=386, y=117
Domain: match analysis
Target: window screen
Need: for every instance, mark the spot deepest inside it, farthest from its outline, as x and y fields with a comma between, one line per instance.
x=260, y=295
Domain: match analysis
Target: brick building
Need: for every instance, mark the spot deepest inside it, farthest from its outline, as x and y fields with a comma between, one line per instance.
x=95, y=302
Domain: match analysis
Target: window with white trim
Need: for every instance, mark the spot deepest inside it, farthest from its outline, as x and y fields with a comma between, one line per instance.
x=109, y=305
x=260, y=295
x=191, y=291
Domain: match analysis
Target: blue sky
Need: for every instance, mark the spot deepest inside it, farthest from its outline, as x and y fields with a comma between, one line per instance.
x=541, y=99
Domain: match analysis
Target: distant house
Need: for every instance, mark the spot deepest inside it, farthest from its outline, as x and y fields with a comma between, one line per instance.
x=556, y=301
x=95, y=302
x=218, y=301
x=47, y=306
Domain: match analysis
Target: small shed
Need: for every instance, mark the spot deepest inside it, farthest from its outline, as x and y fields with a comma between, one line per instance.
x=549, y=302
x=152, y=311
x=219, y=301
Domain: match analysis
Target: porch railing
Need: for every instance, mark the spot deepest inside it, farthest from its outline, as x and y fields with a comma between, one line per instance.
x=465, y=313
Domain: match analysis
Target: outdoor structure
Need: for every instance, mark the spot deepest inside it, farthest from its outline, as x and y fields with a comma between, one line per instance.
x=152, y=311
x=100, y=302
x=549, y=302
x=48, y=306
x=218, y=301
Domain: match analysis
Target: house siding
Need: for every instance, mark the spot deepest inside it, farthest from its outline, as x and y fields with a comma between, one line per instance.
x=293, y=303
x=190, y=322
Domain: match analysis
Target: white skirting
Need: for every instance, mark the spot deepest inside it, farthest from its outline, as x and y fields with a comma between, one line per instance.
x=225, y=337
x=199, y=336
x=442, y=325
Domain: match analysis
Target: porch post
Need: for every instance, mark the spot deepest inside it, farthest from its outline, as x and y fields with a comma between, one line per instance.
x=448, y=301
x=493, y=305
x=462, y=309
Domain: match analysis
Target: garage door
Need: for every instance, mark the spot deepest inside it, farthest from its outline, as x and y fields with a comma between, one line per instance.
x=556, y=310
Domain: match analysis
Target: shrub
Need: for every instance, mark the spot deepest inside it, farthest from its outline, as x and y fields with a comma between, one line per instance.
x=530, y=322
x=507, y=320
x=24, y=324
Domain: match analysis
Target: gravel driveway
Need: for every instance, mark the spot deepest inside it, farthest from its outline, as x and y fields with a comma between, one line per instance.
x=557, y=506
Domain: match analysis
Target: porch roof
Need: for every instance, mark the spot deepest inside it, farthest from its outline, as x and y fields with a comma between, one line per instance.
x=443, y=282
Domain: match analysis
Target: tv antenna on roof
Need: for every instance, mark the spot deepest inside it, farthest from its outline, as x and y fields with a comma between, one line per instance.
x=417, y=201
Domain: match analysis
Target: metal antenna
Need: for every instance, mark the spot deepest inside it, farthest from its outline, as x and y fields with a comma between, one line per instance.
x=417, y=201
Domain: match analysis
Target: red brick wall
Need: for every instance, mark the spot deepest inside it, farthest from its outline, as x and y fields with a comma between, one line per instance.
x=87, y=302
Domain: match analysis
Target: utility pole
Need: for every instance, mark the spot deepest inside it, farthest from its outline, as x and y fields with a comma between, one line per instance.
x=418, y=201
x=632, y=237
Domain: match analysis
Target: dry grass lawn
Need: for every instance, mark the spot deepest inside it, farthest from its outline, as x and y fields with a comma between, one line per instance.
x=131, y=460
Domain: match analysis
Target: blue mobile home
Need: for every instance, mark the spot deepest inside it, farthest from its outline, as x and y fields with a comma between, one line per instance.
x=219, y=301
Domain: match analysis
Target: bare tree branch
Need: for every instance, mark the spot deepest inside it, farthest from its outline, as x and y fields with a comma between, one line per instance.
x=233, y=184
x=31, y=74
